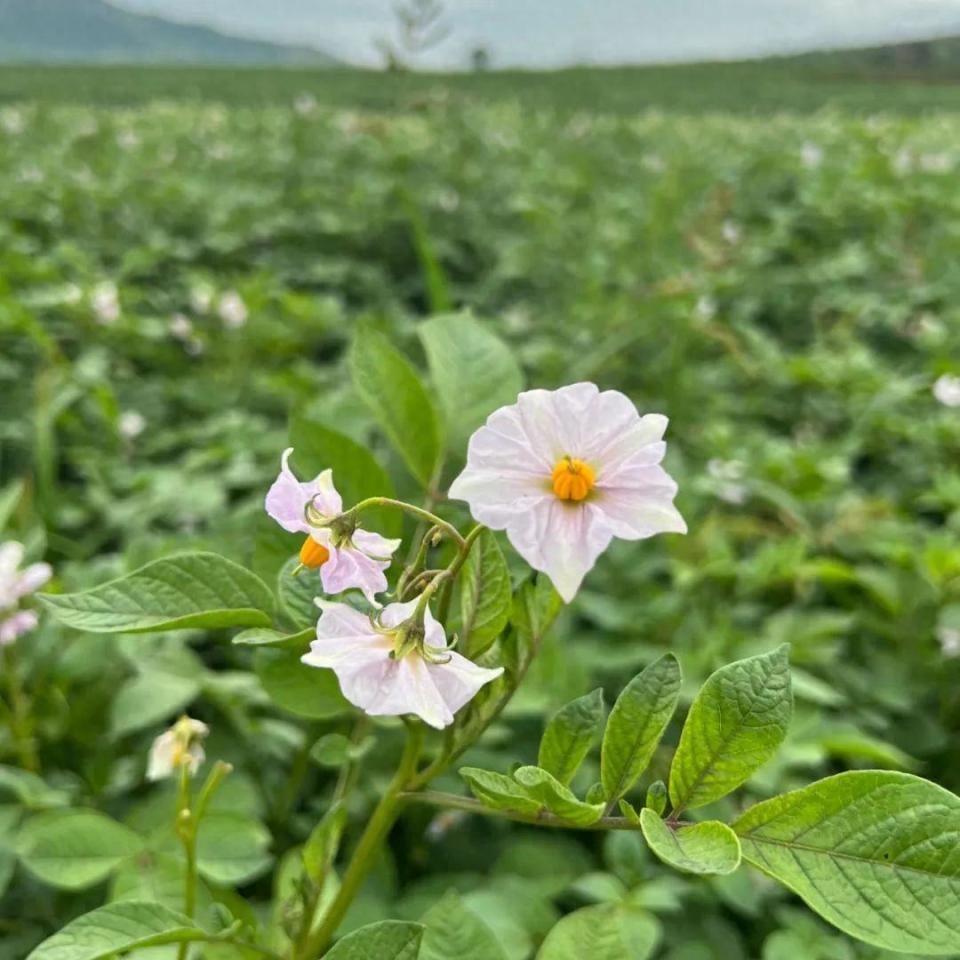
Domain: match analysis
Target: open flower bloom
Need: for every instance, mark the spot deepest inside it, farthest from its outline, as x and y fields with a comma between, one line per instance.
x=177, y=747
x=357, y=559
x=566, y=471
x=390, y=667
x=15, y=584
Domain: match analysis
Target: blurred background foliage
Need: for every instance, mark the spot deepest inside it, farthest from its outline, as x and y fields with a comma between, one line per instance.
x=179, y=280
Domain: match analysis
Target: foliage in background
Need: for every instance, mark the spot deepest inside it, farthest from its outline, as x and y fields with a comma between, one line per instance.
x=785, y=289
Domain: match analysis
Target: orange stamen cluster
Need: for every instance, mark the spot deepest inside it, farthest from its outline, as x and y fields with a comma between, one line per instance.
x=313, y=554
x=572, y=479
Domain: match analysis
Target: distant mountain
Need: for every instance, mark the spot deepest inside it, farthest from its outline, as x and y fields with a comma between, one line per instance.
x=92, y=31
x=912, y=59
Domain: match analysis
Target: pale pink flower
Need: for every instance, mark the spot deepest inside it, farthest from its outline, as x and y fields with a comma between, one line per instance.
x=180, y=746
x=232, y=310
x=391, y=668
x=946, y=389
x=347, y=559
x=106, y=303
x=566, y=471
x=15, y=584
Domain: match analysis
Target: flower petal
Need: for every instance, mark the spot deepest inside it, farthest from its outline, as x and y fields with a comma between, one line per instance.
x=34, y=577
x=640, y=503
x=410, y=689
x=349, y=568
x=561, y=539
x=324, y=494
x=373, y=545
x=16, y=625
x=459, y=679
x=287, y=498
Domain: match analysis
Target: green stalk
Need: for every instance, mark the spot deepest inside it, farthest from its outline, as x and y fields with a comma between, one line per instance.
x=20, y=723
x=448, y=528
x=379, y=825
x=186, y=830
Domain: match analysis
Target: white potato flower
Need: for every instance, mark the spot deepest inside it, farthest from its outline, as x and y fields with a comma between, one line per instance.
x=564, y=472
x=180, y=746
x=393, y=666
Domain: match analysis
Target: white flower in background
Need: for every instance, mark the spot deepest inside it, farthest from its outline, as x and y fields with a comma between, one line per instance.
x=127, y=140
x=705, y=308
x=566, y=471
x=31, y=174
x=653, y=163
x=13, y=121
x=949, y=640
x=180, y=327
x=728, y=473
x=391, y=667
x=201, y=298
x=305, y=103
x=936, y=162
x=903, y=161
x=15, y=584
x=946, y=389
x=811, y=155
x=131, y=424
x=180, y=746
x=731, y=232
x=347, y=558
x=232, y=310
x=106, y=302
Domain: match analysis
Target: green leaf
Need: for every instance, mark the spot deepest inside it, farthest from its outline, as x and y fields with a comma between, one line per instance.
x=117, y=928
x=72, y=849
x=334, y=750
x=392, y=390
x=276, y=639
x=190, y=590
x=637, y=722
x=454, y=932
x=534, y=608
x=473, y=370
x=607, y=931
x=297, y=594
x=149, y=698
x=306, y=691
x=497, y=791
x=321, y=847
x=873, y=852
x=356, y=473
x=31, y=790
x=9, y=498
x=232, y=849
x=735, y=725
x=485, y=595
x=710, y=847
x=570, y=734
x=557, y=798
x=387, y=940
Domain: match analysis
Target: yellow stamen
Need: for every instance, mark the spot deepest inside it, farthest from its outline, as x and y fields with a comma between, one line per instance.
x=313, y=554
x=573, y=479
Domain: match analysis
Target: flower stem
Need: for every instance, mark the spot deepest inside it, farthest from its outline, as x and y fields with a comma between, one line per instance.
x=186, y=829
x=382, y=819
x=448, y=528
x=20, y=724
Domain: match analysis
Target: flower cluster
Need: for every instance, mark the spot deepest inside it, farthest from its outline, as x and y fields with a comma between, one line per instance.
x=563, y=472
x=15, y=585
x=177, y=748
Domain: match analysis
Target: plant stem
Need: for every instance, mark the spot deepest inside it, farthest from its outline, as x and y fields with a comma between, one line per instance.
x=20, y=725
x=186, y=829
x=542, y=819
x=448, y=528
x=383, y=818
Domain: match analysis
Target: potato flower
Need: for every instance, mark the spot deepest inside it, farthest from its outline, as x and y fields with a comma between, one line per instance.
x=15, y=584
x=180, y=746
x=347, y=557
x=393, y=664
x=566, y=471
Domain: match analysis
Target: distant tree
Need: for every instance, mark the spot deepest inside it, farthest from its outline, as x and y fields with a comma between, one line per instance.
x=480, y=59
x=419, y=27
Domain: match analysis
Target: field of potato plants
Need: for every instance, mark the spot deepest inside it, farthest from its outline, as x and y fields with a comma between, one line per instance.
x=565, y=684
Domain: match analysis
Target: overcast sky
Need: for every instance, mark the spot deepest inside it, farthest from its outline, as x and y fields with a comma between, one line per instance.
x=541, y=33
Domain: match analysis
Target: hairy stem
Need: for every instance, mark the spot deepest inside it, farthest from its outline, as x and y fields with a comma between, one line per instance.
x=369, y=845
x=448, y=528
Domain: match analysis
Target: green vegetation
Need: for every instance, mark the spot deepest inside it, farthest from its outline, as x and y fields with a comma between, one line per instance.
x=190, y=286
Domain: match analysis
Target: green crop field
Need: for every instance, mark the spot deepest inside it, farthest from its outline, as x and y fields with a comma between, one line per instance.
x=192, y=264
